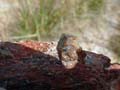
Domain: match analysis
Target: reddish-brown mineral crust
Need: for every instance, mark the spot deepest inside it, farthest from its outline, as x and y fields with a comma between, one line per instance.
x=43, y=47
x=33, y=67
x=114, y=66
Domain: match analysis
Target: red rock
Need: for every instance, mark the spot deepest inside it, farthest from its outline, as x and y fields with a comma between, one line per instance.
x=31, y=68
x=114, y=66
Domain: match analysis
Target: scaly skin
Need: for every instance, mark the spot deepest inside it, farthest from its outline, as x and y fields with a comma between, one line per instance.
x=68, y=49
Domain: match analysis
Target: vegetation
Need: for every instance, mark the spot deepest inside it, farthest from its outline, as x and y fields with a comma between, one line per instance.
x=36, y=21
x=89, y=7
x=39, y=19
x=95, y=5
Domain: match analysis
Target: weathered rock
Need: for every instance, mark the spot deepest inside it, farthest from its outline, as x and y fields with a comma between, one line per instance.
x=4, y=52
x=114, y=76
x=31, y=68
x=115, y=84
x=97, y=60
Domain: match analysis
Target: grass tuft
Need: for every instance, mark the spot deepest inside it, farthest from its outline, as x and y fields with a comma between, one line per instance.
x=37, y=20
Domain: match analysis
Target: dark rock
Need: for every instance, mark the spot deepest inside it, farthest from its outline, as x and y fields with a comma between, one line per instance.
x=31, y=68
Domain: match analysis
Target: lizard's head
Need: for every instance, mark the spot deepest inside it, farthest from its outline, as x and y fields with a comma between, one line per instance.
x=67, y=48
x=69, y=53
x=70, y=40
x=69, y=57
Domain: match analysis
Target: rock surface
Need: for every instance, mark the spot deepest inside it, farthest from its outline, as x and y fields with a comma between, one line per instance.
x=36, y=66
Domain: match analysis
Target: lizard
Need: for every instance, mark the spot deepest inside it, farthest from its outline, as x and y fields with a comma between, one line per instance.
x=68, y=49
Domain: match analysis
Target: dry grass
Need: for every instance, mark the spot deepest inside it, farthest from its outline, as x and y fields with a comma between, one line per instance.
x=40, y=19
